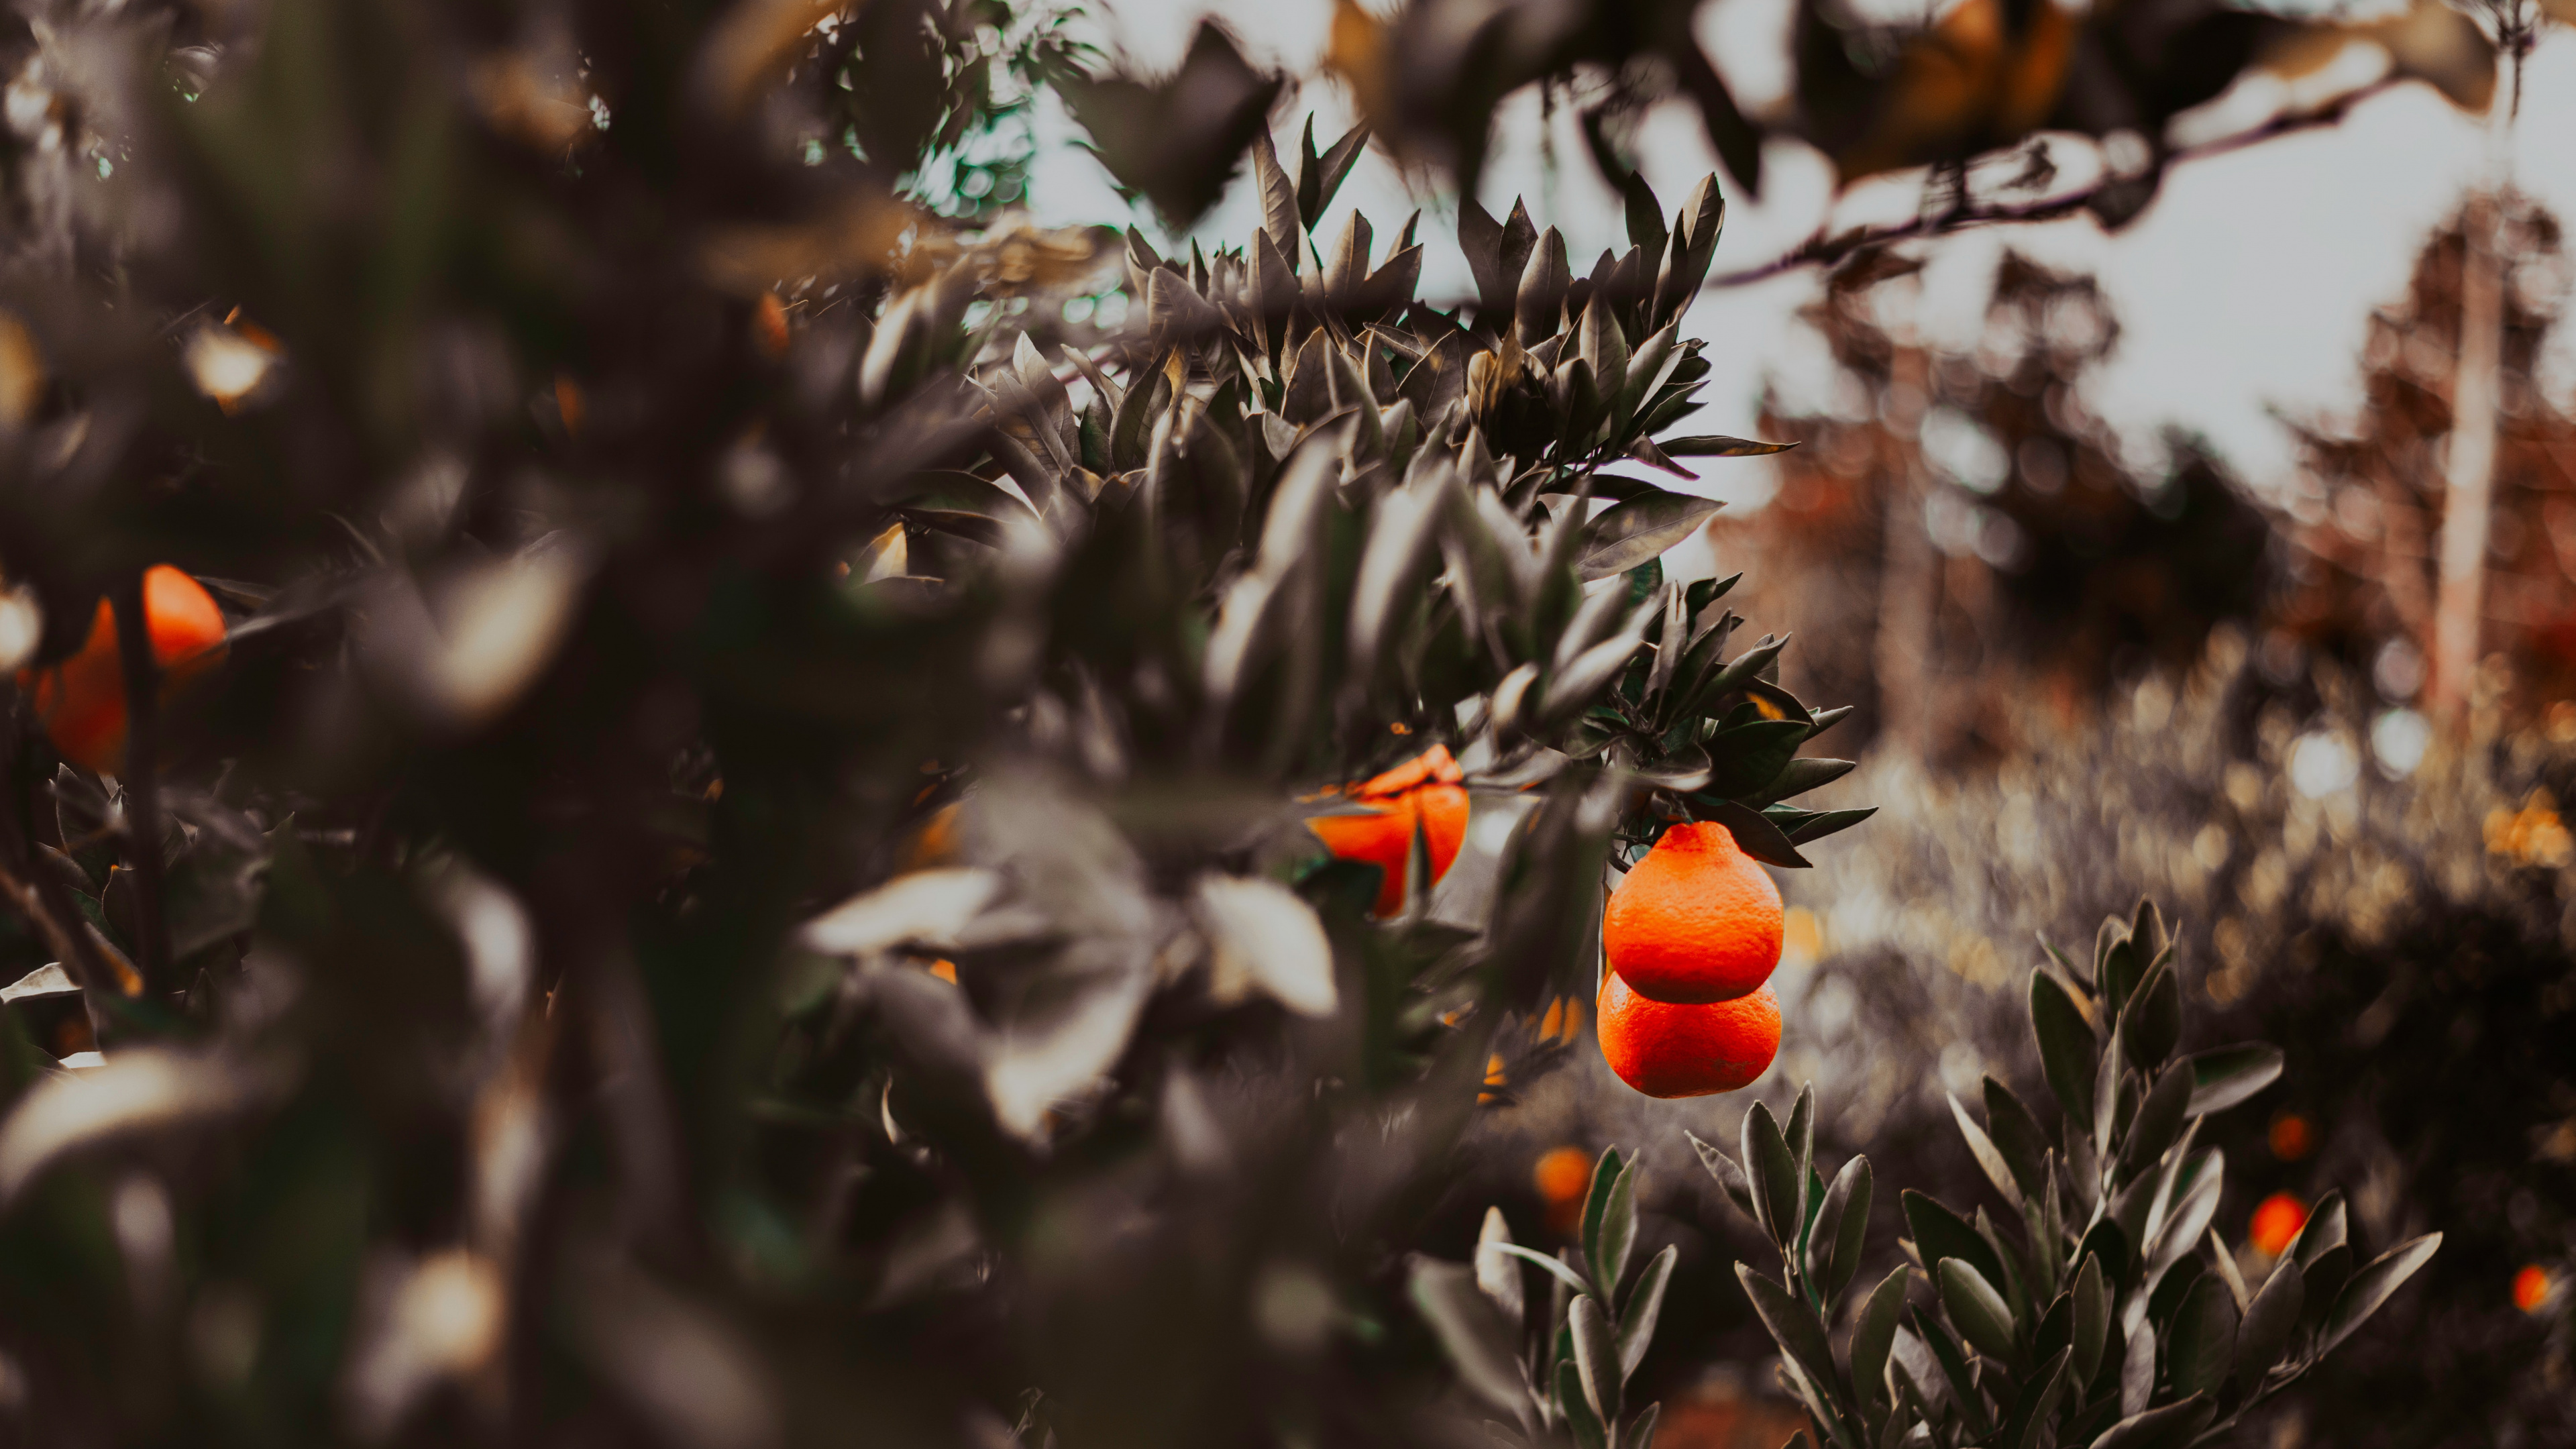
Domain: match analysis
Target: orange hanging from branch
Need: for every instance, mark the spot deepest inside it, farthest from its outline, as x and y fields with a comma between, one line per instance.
x=1422, y=791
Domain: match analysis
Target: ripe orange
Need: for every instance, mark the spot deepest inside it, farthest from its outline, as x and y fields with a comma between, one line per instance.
x=1423, y=789
x=1668, y=1049
x=1696, y=921
x=2276, y=1224
x=81, y=700
x=2531, y=1288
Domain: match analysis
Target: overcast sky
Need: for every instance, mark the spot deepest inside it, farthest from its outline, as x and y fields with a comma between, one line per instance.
x=2243, y=291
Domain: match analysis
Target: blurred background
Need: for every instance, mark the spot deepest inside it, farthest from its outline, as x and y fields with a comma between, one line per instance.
x=2126, y=541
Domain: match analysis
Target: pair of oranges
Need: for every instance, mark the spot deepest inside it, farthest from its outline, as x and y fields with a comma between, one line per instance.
x=81, y=701
x=1690, y=936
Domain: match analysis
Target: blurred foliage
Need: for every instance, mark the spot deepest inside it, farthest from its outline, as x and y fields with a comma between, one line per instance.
x=2407, y=937
x=1967, y=509
x=745, y=878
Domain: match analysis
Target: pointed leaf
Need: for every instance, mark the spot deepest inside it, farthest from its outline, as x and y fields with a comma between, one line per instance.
x=1875, y=1333
x=1793, y=1325
x=1645, y=1305
x=1976, y=1309
x=1470, y=1328
x=1630, y=533
x=1773, y=1175
x=1718, y=447
x=2066, y=1048
x=2225, y=1076
x=1940, y=1233
x=1842, y=1221
x=2092, y=1327
x=2200, y=1345
x=2269, y=1321
x=2371, y=1287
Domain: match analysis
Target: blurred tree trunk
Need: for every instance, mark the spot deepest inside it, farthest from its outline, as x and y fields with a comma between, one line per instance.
x=1906, y=574
x=2469, y=472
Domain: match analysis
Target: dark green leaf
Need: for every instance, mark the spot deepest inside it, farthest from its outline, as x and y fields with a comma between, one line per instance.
x=1580, y=1420
x=2092, y=1325
x=1712, y=446
x=2159, y=1120
x=2174, y=1424
x=1990, y=1159
x=1800, y=775
x=1555, y=1268
x=2225, y=1076
x=2269, y=1321
x=1630, y=533
x=2028, y=1421
x=1842, y=1222
x=2371, y=1287
x=1827, y=822
x=2154, y=1019
x=2201, y=1345
x=2066, y=1048
x=1645, y=1304
x=1976, y=1309
x=1875, y=1333
x=1730, y=1176
x=1940, y=1233
x=2323, y=1230
x=1953, y=1360
x=1746, y=759
x=1641, y=1429
x=1596, y=1208
x=2017, y=1135
x=1793, y=1325
x=1772, y=1175
x=1756, y=836
x=1609, y=1247
x=1596, y=1358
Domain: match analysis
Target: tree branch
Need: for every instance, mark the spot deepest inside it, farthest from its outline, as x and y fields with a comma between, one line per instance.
x=1826, y=251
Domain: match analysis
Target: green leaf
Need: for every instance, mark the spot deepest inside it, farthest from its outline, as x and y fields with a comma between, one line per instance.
x=1645, y=1304
x=2201, y=1344
x=1714, y=446
x=2092, y=1326
x=1827, y=822
x=1609, y=1247
x=1800, y=1134
x=1753, y=834
x=1940, y=1233
x=1802, y=774
x=1875, y=1333
x=2371, y=1287
x=2106, y=1241
x=1976, y=1309
x=2159, y=1120
x=1596, y=1358
x=2224, y=1076
x=1772, y=1174
x=2066, y=1047
x=1842, y=1222
x=1630, y=533
x=1981, y=1147
x=2174, y=1424
x=2324, y=1229
x=1555, y=1267
x=2154, y=1019
x=1793, y=1325
x=2028, y=1421
x=1580, y=1420
x=2138, y=1370
x=1641, y=1429
x=2269, y=1321
x=2017, y=1135
x=1953, y=1362
x=1596, y=1208
x=1730, y=1176
x=1470, y=1329
x=1744, y=761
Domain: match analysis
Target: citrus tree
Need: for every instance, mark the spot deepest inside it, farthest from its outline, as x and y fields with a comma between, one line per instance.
x=635, y=808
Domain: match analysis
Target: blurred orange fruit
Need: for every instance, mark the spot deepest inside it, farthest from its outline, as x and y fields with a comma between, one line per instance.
x=2291, y=1137
x=81, y=701
x=1423, y=790
x=2276, y=1224
x=2531, y=1287
x=1696, y=921
x=1670, y=1049
x=1562, y=1174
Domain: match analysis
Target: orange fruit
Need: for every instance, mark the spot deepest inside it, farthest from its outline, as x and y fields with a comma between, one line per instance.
x=1679, y=1049
x=2276, y=1224
x=81, y=701
x=1422, y=790
x=2291, y=1137
x=1696, y=921
x=1562, y=1174
x=2531, y=1287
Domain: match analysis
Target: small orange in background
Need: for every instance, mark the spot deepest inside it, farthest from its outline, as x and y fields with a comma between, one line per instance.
x=1696, y=921
x=1564, y=1178
x=1680, y=1049
x=1424, y=789
x=2292, y=1138
x=2276, y=1223
x=2531, y=1287
x=769, y=326
x=81, y=701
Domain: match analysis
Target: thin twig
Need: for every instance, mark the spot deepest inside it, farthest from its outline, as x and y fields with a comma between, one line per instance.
x=142, y=786
x=1824, y=250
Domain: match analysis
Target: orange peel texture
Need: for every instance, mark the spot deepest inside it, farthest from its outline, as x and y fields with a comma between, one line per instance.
x=1423, y=790
x=1696, y=921
x=1664, y=1049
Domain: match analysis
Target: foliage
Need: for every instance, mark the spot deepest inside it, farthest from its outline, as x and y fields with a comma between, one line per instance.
x=743, y=874
x=2097, y=1314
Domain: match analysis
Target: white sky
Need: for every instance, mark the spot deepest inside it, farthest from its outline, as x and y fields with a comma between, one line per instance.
x=2243, y=291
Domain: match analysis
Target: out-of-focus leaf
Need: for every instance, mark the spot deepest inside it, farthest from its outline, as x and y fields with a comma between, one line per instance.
x=2172, y=1424
x=1178, y=139
x=686, y=1371
x=1496, y=1274
x=1469, y=1327
x=1265, y=938
x=924, y=907
x=136, y=1092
